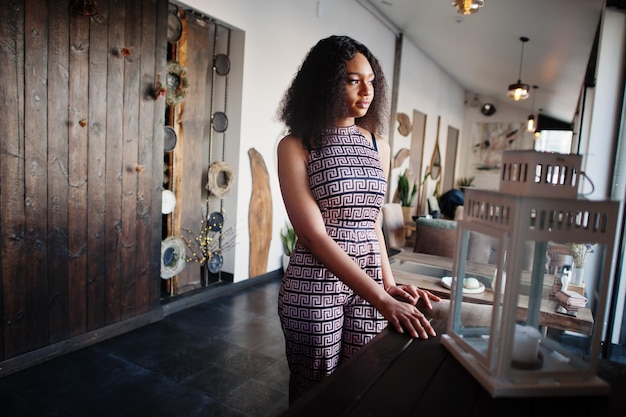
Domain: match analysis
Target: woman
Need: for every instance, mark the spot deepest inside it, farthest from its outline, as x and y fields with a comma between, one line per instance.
x=338, y=291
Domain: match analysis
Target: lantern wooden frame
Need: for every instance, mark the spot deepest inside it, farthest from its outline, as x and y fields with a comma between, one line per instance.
x=515, y=221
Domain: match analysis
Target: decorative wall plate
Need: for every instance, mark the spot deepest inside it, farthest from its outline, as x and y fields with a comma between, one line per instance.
x=174, y=27
x=173, y=257
x=169, y=139
x=219, y=121
x=220, y=179
x=216, y=221
x=222, y=64
x=177, y=83
x=215, y=263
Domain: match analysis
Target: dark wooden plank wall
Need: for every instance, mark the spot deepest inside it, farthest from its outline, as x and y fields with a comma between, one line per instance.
x=96, y=219
x=81, y=156
x=58, y=185
x=12, y=162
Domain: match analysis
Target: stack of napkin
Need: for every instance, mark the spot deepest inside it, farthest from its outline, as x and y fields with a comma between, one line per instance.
x=571, y=300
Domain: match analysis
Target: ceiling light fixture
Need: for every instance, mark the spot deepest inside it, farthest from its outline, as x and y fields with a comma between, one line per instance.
x=468, y=6
x=519, y=91
x=531, y=125
x=488, y=109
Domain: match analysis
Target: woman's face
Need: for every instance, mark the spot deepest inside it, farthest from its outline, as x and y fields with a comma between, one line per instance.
x=359, y=86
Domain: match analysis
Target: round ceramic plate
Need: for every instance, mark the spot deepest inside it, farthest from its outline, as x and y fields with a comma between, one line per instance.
x=222, y=64
x=447, y=283
x=220, y=121
x=216, y=221
x=170, y=138
x=174, y=28
x=215, y=263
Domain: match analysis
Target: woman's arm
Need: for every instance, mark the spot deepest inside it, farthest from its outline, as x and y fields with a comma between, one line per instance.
x=408, y=293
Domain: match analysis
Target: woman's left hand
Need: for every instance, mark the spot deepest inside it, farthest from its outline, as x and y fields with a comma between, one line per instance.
x=411, y=294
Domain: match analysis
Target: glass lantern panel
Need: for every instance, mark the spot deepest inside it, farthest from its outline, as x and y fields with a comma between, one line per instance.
x=553, y=333
x=475, y=306
x=576, y=277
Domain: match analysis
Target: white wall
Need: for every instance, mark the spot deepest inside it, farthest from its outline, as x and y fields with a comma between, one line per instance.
x=278, y=34
x=425, y=87
x=506, y=112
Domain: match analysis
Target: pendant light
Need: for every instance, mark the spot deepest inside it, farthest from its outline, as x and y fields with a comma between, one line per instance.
x=532, y=125
x=519, y=91
x=467, y=6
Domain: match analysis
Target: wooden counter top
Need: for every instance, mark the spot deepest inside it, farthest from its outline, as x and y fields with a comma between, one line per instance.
x=395, y=375
x=548, y=317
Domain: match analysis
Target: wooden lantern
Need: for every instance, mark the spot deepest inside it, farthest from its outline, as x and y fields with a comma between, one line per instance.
x=527, y=348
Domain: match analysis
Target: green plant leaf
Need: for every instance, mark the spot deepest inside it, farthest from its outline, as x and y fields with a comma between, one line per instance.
x=405, y=198
x=289, y=238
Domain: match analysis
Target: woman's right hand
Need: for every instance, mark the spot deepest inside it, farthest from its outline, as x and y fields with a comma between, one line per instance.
x=407, y=317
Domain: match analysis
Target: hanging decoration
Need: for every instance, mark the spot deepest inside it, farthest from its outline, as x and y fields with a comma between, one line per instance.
x=85, y=7
x=170, y=138
x=173, y=259
x=168, y=202
x=207, y=246
x=219, y=120
x=174, y=27
x=222, y=64
x=177, y=83
x=215, y=263
x=220, y=179
x=216, y=221
x=405, y=126
x=159, y=88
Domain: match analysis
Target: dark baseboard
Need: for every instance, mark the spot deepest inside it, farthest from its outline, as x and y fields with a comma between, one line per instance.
x=55, y=350
x=215, y=290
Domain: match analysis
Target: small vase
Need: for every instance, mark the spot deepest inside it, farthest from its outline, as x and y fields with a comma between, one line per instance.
x=406, y=213
x=285, y=262
x=565, y=279
x=578, y=275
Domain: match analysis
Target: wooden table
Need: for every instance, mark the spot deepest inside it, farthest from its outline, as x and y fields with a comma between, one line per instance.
x=548, y=317
x=397, y=376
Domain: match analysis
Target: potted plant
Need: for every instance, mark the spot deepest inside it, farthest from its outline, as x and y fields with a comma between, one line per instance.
x=289, y=238
x=465, y=182
x=406, y=195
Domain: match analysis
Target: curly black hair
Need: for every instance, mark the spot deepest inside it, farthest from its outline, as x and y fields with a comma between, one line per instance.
x=317, y=96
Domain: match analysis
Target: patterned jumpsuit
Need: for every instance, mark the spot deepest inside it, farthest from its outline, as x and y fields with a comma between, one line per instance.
x=323, y=321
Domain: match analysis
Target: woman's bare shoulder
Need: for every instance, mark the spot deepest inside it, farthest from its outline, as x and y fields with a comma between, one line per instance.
x=291, y=145
x=290, y=140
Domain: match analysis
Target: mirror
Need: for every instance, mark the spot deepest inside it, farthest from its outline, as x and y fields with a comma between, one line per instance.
x=435, y=161
x=417, y=146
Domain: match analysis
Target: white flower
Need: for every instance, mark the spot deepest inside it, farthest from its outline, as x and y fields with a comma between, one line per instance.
x=579, y=253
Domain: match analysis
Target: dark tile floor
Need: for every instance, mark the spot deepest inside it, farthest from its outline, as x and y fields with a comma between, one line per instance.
x=224, y=357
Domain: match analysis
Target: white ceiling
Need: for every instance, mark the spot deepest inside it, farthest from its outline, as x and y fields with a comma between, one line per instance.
x=482, y=51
